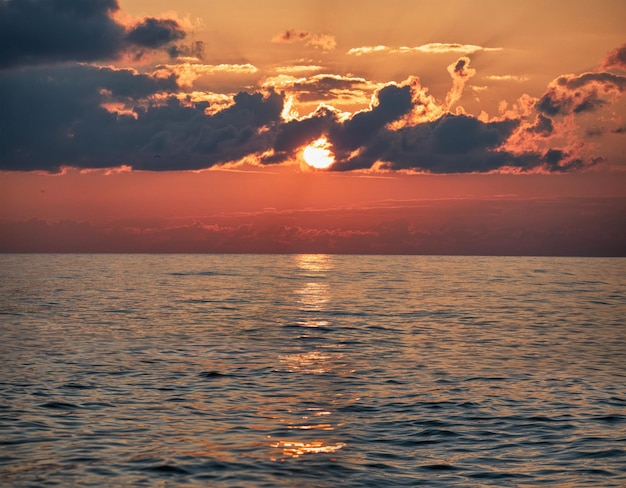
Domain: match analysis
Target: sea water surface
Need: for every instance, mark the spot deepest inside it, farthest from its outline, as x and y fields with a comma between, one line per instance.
x=312, y=371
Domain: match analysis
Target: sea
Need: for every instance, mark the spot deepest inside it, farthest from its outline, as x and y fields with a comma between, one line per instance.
x=312, y=371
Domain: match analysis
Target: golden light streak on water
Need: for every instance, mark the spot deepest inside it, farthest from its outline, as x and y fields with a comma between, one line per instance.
x=296, y=449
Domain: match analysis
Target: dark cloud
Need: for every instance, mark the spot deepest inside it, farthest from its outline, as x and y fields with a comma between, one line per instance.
x=174, y=136
x=50, y=31
x=155, y=33
x=39, y=31
x=543, y=126
x=558, y=160
x=583, y=93
x=460, y=73
x=459, y=67
x=595, y=131
x=91, y=117
x=329, y=87
x=445, y=144
x=187, y=138
x=55, y=114
x=393, y=103
x=342, y=92
x=297, y=133
x=450, y=144
x=56, y=117
x=291, y=35
x=616, y=59
x=195, y=49
x=325, y=42
x=462, y=134
x=459, y=144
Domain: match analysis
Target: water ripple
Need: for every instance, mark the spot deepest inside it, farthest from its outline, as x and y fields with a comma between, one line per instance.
x=312, y=371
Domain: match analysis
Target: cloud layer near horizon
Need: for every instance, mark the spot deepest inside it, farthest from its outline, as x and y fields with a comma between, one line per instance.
x=563, y=227
x=58, y=112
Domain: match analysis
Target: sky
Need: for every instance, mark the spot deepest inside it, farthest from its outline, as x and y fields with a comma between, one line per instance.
x=472, y=127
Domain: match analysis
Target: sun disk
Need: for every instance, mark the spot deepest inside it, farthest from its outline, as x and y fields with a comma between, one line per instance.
x=318, y=154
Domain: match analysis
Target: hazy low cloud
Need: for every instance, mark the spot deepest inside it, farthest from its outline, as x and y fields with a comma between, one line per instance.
x=507, y=226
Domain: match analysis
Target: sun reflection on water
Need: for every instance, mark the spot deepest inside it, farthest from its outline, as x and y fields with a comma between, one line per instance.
x=317, y=365
x=313, y=296
x=312, y=362
x=296, y=448
x=315, y=262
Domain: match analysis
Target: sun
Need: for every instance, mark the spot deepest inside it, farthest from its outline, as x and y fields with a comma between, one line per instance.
x=318, y=154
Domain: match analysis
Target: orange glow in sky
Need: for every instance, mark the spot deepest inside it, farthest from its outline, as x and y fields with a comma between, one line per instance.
x=451, y=127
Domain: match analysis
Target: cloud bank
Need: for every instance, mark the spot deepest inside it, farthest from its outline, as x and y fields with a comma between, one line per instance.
x=62, y=117
x=560, y=227
x=94, y=117
x=58, y=111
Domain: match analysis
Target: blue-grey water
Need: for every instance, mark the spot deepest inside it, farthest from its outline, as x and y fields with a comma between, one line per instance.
x=312, y=371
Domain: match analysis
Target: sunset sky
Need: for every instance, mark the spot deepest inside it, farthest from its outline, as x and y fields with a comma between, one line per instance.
x=437, y=127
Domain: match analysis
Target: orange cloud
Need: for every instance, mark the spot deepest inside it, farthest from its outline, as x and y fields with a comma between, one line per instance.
x=325, y=42
x=425, y=107
x=581, y=93
x=431, y=48
x=359, y=51
x=616, y=59
x=460, y=73
x=187, y=73
x=334, y=89
x=517, y=78
x=298, y=68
